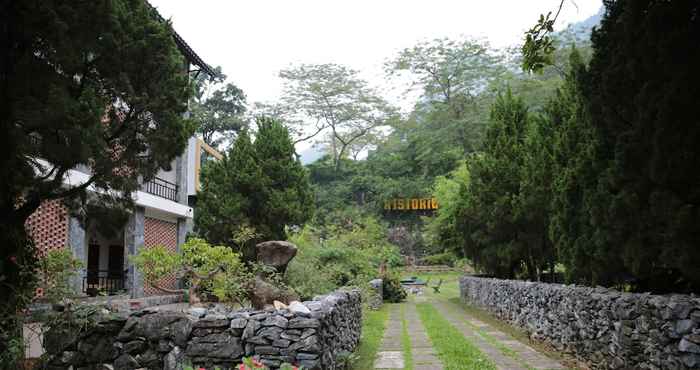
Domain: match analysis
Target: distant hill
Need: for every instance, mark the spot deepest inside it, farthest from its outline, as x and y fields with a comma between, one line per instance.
x=580, y=32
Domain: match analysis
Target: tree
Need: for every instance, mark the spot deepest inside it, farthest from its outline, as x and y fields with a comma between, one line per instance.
x=107, y=93
x=218, y=110
x=641, y=91
x=203, y=265
x=495, y=183
x=331, y=98
x=258, y=185
x=453, y=76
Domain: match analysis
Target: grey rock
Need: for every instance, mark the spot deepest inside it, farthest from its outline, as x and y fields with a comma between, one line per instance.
x=239, y=323
x=300, y=323
x=174, y=360
x=276, y=320
x=197, y=312
x=688, y=346
x=299, y=308
x=126, y=362
x=276, y=254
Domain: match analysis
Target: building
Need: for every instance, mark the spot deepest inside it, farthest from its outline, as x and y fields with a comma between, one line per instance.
x=163, y=216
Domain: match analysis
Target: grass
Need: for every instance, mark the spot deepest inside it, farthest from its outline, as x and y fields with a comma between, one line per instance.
x=488, y=338
x=518, y=334
x=406, y=342
x=373, y=325
x=455, y=351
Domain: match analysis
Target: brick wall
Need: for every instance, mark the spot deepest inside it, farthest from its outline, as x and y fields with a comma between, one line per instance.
x=159, y=232
x=48, y=226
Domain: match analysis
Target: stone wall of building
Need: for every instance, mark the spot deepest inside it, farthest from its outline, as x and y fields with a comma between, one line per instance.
x=315, y=334
x=605, y=328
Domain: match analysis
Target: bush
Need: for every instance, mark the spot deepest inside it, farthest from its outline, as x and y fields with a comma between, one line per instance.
x=215, y=270
x=391, y=289
x=56, y=268
x=445, y=258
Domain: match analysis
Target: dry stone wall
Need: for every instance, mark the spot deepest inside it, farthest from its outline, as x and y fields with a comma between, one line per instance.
x=605, y=328
x=315, y=334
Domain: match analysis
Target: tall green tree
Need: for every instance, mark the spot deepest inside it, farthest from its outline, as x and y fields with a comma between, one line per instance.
x=495, y=184
x=98, y=84
x=331, y=99
x=258, y=186
x=452, y=75
x=641, y=92
x=218, y=109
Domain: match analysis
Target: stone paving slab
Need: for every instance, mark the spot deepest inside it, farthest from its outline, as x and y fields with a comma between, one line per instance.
x=527, y=357
x=422, y=351
x=390, y=354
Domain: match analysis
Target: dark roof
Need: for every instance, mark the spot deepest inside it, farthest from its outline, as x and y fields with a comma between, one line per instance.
x=186, y=50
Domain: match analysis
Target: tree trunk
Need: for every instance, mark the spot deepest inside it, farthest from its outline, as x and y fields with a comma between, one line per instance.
x=17, y=282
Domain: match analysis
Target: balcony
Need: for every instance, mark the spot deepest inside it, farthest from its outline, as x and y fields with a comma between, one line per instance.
x=162, y=188
x=104, y=282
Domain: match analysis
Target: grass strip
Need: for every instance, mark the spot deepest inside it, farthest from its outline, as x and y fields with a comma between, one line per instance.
x=406, y=342
x=373, y=325
x=518, y=334
x=455, y=351
x=490, y=339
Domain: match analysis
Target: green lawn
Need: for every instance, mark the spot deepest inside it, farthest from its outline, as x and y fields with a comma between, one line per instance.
x=373, y=324
x=455, y=351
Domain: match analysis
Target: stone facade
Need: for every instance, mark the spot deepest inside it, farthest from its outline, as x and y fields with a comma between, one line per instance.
x=314, y=335
x=605, y=328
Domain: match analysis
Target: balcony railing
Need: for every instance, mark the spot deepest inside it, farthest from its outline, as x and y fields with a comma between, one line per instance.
x=161, y=188
x=104, y=281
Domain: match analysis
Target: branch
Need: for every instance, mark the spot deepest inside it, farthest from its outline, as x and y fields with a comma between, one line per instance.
x=167, y=290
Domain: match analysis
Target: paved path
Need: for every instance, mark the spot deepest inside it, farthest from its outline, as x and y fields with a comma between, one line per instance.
x=492, y=342
x=390, y=354
x=424, y=356
x=506, y=352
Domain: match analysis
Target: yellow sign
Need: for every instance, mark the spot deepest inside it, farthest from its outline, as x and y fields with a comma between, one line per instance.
x=411, y=204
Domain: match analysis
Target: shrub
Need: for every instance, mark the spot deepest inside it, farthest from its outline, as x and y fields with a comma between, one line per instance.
x=445, y=258
x=391, y=288
x=209, y=269
x=56, y=269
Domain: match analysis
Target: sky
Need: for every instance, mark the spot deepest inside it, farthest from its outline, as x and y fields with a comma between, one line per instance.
x=252, y=40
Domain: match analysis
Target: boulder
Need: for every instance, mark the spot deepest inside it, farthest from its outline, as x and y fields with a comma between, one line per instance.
x=276, y=254
x=264, y=293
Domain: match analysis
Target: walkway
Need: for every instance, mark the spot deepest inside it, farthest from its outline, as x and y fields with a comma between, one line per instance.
x=412, y=348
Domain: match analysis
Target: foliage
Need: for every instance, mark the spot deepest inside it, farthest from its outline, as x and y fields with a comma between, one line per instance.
x=56, y=268
x=392, y=290
x=338, y=256
x=256, y=190
x=444, y=258
x=215, y=269
x=218, y=110
x=107, y=93
x=332, y=99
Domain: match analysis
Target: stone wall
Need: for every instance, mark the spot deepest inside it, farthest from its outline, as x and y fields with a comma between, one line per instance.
x=605, y=328
x=314, y=334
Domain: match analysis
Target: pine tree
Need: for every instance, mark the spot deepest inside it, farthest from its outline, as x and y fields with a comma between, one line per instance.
x=258, y=186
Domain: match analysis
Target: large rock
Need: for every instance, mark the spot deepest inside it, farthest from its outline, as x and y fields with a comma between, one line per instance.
x=264, y=293
x=276, y=254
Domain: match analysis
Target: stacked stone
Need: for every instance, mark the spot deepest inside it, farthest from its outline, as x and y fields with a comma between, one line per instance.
x=603, y=327
x=314, y=334
x=376, y=296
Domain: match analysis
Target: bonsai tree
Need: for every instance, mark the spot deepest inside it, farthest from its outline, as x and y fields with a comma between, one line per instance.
x=216, y=269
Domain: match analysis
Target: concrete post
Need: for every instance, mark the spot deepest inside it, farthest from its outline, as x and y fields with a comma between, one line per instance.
x=134, y=241
x=77, y=242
